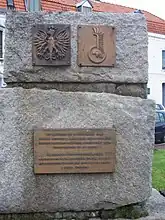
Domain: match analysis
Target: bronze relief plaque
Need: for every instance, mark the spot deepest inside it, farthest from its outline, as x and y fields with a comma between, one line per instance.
x=51, y=45
x=96, y=45
x=74, y=151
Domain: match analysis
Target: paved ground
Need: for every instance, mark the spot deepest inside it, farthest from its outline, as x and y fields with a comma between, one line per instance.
x=160, y=146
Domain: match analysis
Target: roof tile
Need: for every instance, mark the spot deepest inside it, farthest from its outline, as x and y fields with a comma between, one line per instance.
x=19, y=4
x=3, y=4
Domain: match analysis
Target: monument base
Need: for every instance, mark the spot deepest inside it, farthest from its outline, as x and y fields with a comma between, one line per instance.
x=134, y=211
x=23, y=110
x=152, y=209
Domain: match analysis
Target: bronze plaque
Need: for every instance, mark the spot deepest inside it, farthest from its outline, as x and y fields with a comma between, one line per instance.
x=51, y=45
x=74, y=151
x=96, y=45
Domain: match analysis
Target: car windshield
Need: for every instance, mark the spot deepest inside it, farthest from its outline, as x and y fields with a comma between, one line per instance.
x=159, y=107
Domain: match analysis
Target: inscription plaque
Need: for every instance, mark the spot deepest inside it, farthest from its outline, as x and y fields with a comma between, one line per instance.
x=51, y=45
x=74, y=151
x=96, y=45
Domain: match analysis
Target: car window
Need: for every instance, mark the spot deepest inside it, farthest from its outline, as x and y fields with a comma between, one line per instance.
x=161, y=116
x=157, y=117
x=159, y=107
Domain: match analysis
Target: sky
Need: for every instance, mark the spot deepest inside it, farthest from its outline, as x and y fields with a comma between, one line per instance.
x=156, y=7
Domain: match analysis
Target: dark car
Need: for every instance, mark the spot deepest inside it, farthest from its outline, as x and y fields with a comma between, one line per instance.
x=160, y=126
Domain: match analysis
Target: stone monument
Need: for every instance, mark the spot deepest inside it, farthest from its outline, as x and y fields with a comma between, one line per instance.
x=68, y=72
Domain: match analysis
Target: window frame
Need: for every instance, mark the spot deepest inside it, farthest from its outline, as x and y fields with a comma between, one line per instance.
x=1, y=32
x=163, y=60
x=2, y=29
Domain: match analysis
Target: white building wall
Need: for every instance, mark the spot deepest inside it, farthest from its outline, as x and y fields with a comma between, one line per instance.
x=2, y=25
x=156, y=43
x=155, y=85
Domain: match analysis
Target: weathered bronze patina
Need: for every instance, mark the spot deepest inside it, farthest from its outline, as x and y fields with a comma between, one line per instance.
x=51, y=45
x=96, y=45
x=74, y=151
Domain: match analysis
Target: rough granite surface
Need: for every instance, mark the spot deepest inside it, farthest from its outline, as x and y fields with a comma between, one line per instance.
x=135, y=90
x=131, y=48
x=155, y=206
x=22, y=110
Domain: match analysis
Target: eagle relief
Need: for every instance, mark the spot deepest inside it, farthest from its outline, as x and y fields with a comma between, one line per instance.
x=51, y=45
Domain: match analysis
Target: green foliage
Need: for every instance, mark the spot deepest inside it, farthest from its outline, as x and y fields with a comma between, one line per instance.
x=158, y=170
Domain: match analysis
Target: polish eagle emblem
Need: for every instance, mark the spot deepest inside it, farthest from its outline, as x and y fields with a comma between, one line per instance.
x=52, y=44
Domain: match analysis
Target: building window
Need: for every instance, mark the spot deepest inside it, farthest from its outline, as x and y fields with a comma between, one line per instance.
x=10, y=4
x=32, y=5
x=84, y=6
x=163, y=59
x=1, y=44
x=148, y=91
x=86, y=9
x=79, y=9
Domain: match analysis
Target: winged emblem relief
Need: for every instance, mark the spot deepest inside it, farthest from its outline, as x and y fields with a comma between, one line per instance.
x=52, y=44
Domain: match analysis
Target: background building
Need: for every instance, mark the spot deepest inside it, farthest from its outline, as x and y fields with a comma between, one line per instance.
x=2, y=38
x=156, y=33
x=156, y=59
